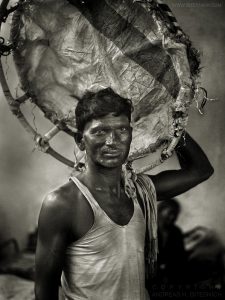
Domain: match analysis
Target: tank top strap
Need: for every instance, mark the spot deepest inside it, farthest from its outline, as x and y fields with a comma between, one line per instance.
x=87, y=194
x=129, y=189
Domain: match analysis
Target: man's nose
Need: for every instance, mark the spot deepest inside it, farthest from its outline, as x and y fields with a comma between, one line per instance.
x=111, y=138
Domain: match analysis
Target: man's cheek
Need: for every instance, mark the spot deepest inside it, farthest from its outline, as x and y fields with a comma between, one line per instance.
x=126, y=142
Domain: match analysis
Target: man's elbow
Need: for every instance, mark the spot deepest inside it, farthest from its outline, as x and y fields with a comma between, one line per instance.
x=204, y=173
x=210, y=171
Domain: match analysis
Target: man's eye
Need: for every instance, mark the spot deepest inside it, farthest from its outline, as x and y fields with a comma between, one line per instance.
x=100, y=132
x=123, y=129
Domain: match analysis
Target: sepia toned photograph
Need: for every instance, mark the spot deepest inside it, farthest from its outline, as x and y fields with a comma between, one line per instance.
x=112, y=149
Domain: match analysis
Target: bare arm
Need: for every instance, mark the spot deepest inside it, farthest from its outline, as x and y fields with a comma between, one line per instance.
x=52, y=241
x=195, y=168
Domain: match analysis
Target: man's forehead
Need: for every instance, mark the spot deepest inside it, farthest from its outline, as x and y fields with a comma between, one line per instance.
x=110, y=120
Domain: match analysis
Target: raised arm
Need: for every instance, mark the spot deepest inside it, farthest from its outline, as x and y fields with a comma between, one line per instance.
x=52, y=241
x=195, y=168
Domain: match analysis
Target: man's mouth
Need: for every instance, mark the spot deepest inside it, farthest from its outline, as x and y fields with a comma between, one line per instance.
x=112, y=153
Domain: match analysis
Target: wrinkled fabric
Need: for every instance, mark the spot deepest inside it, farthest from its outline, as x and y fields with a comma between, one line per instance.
x=63, y=50
x=108, y=261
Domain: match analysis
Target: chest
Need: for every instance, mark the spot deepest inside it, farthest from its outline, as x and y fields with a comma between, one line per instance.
x=119, y=209
x=118, y=228
x=110, y=208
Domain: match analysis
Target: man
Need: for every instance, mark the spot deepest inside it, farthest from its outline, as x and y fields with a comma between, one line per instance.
x=92, y=229
x=172, y=258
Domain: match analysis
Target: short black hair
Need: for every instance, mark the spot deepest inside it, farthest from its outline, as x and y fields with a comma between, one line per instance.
x=96, y=105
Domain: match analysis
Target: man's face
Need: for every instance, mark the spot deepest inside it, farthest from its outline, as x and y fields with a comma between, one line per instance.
x=107, y=140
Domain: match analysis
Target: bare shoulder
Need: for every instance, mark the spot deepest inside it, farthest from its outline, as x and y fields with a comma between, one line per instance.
x=58, y=205
x=64, y=204
x=64, y=197
x=57, y=199
x=65, y=210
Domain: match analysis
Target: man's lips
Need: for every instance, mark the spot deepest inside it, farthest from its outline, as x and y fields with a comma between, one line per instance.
x=112, y=152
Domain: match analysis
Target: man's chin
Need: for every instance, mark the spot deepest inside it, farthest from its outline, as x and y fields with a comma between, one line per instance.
x=112, y=163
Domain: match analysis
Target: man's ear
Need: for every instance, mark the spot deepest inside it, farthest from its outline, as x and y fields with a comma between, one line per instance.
x=78, y=136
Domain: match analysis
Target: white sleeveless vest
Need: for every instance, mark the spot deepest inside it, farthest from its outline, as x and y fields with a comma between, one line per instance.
x=108, y=262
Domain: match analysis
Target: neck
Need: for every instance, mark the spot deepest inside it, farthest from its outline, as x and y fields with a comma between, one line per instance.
x=105, y=179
